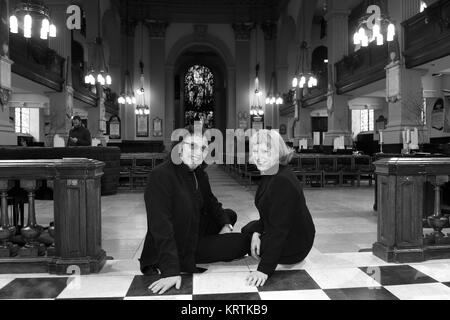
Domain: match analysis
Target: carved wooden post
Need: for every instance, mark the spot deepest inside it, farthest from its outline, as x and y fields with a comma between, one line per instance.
x=401, y=194
x=5, y=232
x=437, y=221
x=30, y=232
x=77, y=208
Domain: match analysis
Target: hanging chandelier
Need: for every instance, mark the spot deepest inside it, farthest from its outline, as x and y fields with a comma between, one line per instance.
x=141, y=90
x=142, y=108
x=32, y=12
x=272, y=99
x=303, y=78
x=127, y=97
x=98, y=74
x=374, y=27
x=256, y=108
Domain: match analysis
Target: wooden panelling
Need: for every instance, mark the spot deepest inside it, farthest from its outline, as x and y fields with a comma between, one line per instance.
x=427, y=35
x=35, y=61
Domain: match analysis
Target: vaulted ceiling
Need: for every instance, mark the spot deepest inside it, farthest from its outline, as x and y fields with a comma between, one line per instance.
x=202, y=11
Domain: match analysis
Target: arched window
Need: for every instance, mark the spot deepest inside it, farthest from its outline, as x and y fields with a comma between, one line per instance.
x=199, y=95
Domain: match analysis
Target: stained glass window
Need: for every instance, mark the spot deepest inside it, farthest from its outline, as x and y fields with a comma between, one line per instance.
x=199, y=95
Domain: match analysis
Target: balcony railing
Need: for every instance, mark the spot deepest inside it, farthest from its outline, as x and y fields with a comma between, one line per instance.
x=35, y=61
x=361, y=68
x=76, y=232
x=427, y=35
x=82, y=92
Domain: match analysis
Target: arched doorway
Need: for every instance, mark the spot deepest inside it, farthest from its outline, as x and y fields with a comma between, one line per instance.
x=200, y=88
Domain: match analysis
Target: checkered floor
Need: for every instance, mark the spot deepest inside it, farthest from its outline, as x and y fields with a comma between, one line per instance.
x=324, y=277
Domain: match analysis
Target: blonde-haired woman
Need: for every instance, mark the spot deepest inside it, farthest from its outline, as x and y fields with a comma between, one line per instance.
x=285, y=232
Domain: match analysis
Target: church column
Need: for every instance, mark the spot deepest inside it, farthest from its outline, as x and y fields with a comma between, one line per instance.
x=156, y=61
x=231, y=100
x=127, y=112
x=242, y=32
x=270, y=36
x=339, y=120
x=405, y=111
x=7, y=131
x=61, y=103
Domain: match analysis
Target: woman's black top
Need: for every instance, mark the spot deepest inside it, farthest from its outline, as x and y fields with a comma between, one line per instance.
x=175, y=198
x=286, y=226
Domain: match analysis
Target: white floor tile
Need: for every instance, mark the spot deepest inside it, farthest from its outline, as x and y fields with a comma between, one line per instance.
x=120, y=268
x=162, y=298
x=96, y=287
x=218, y=283
x=226, y=267
x=428, y=291
x=440, y=272
x=331, y=278
x=294, y=295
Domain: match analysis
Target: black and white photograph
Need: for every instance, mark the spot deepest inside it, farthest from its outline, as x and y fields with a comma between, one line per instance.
x=233, y=152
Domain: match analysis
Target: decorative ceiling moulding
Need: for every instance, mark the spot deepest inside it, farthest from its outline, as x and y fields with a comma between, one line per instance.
x=156, y=29
x=200, y=31
x=270, y=29
x=200, y=11
x=128, y=27
x=243, y=31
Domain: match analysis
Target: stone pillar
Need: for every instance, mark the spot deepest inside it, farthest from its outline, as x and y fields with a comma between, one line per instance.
x=270, y=41
x=61, y=103
x=283, y=85
x=406, y=111
x=59, y=117
x=242, y=32
x=231, y=101
x=339, y=123
x=304, y=126
x=156, y=62
x=127, y=113
x=7, y=132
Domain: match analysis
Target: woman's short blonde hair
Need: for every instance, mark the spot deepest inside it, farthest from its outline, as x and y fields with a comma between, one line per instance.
x=269, y=138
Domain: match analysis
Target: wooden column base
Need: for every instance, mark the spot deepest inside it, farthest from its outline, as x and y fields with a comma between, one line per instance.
x=86, y=265
x=396, y=255
x=5, y=252
x=50, y=265
x=411, y=255
x=34, y=251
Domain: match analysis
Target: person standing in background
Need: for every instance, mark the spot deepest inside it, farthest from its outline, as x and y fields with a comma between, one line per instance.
x=79, y=136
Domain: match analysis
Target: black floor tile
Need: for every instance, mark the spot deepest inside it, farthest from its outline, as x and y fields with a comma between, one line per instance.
x=91, y=299
x=290, y=280
x=37, y=288
x=397, y=275
x=140, y=284
x=379, y=293
x=231, y=296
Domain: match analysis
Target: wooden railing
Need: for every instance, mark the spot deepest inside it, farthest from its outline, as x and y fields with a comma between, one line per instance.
x=76, y=233
x=427, y=34
x=35, y=61
x=82, y=91
x=361, y=68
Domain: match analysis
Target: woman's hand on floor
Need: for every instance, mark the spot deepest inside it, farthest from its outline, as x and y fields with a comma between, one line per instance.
x=163, y=285
x=255, y=248
x=257, y=279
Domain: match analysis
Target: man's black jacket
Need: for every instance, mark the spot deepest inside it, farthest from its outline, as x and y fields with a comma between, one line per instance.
x=82, y=134
x=175, y=198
